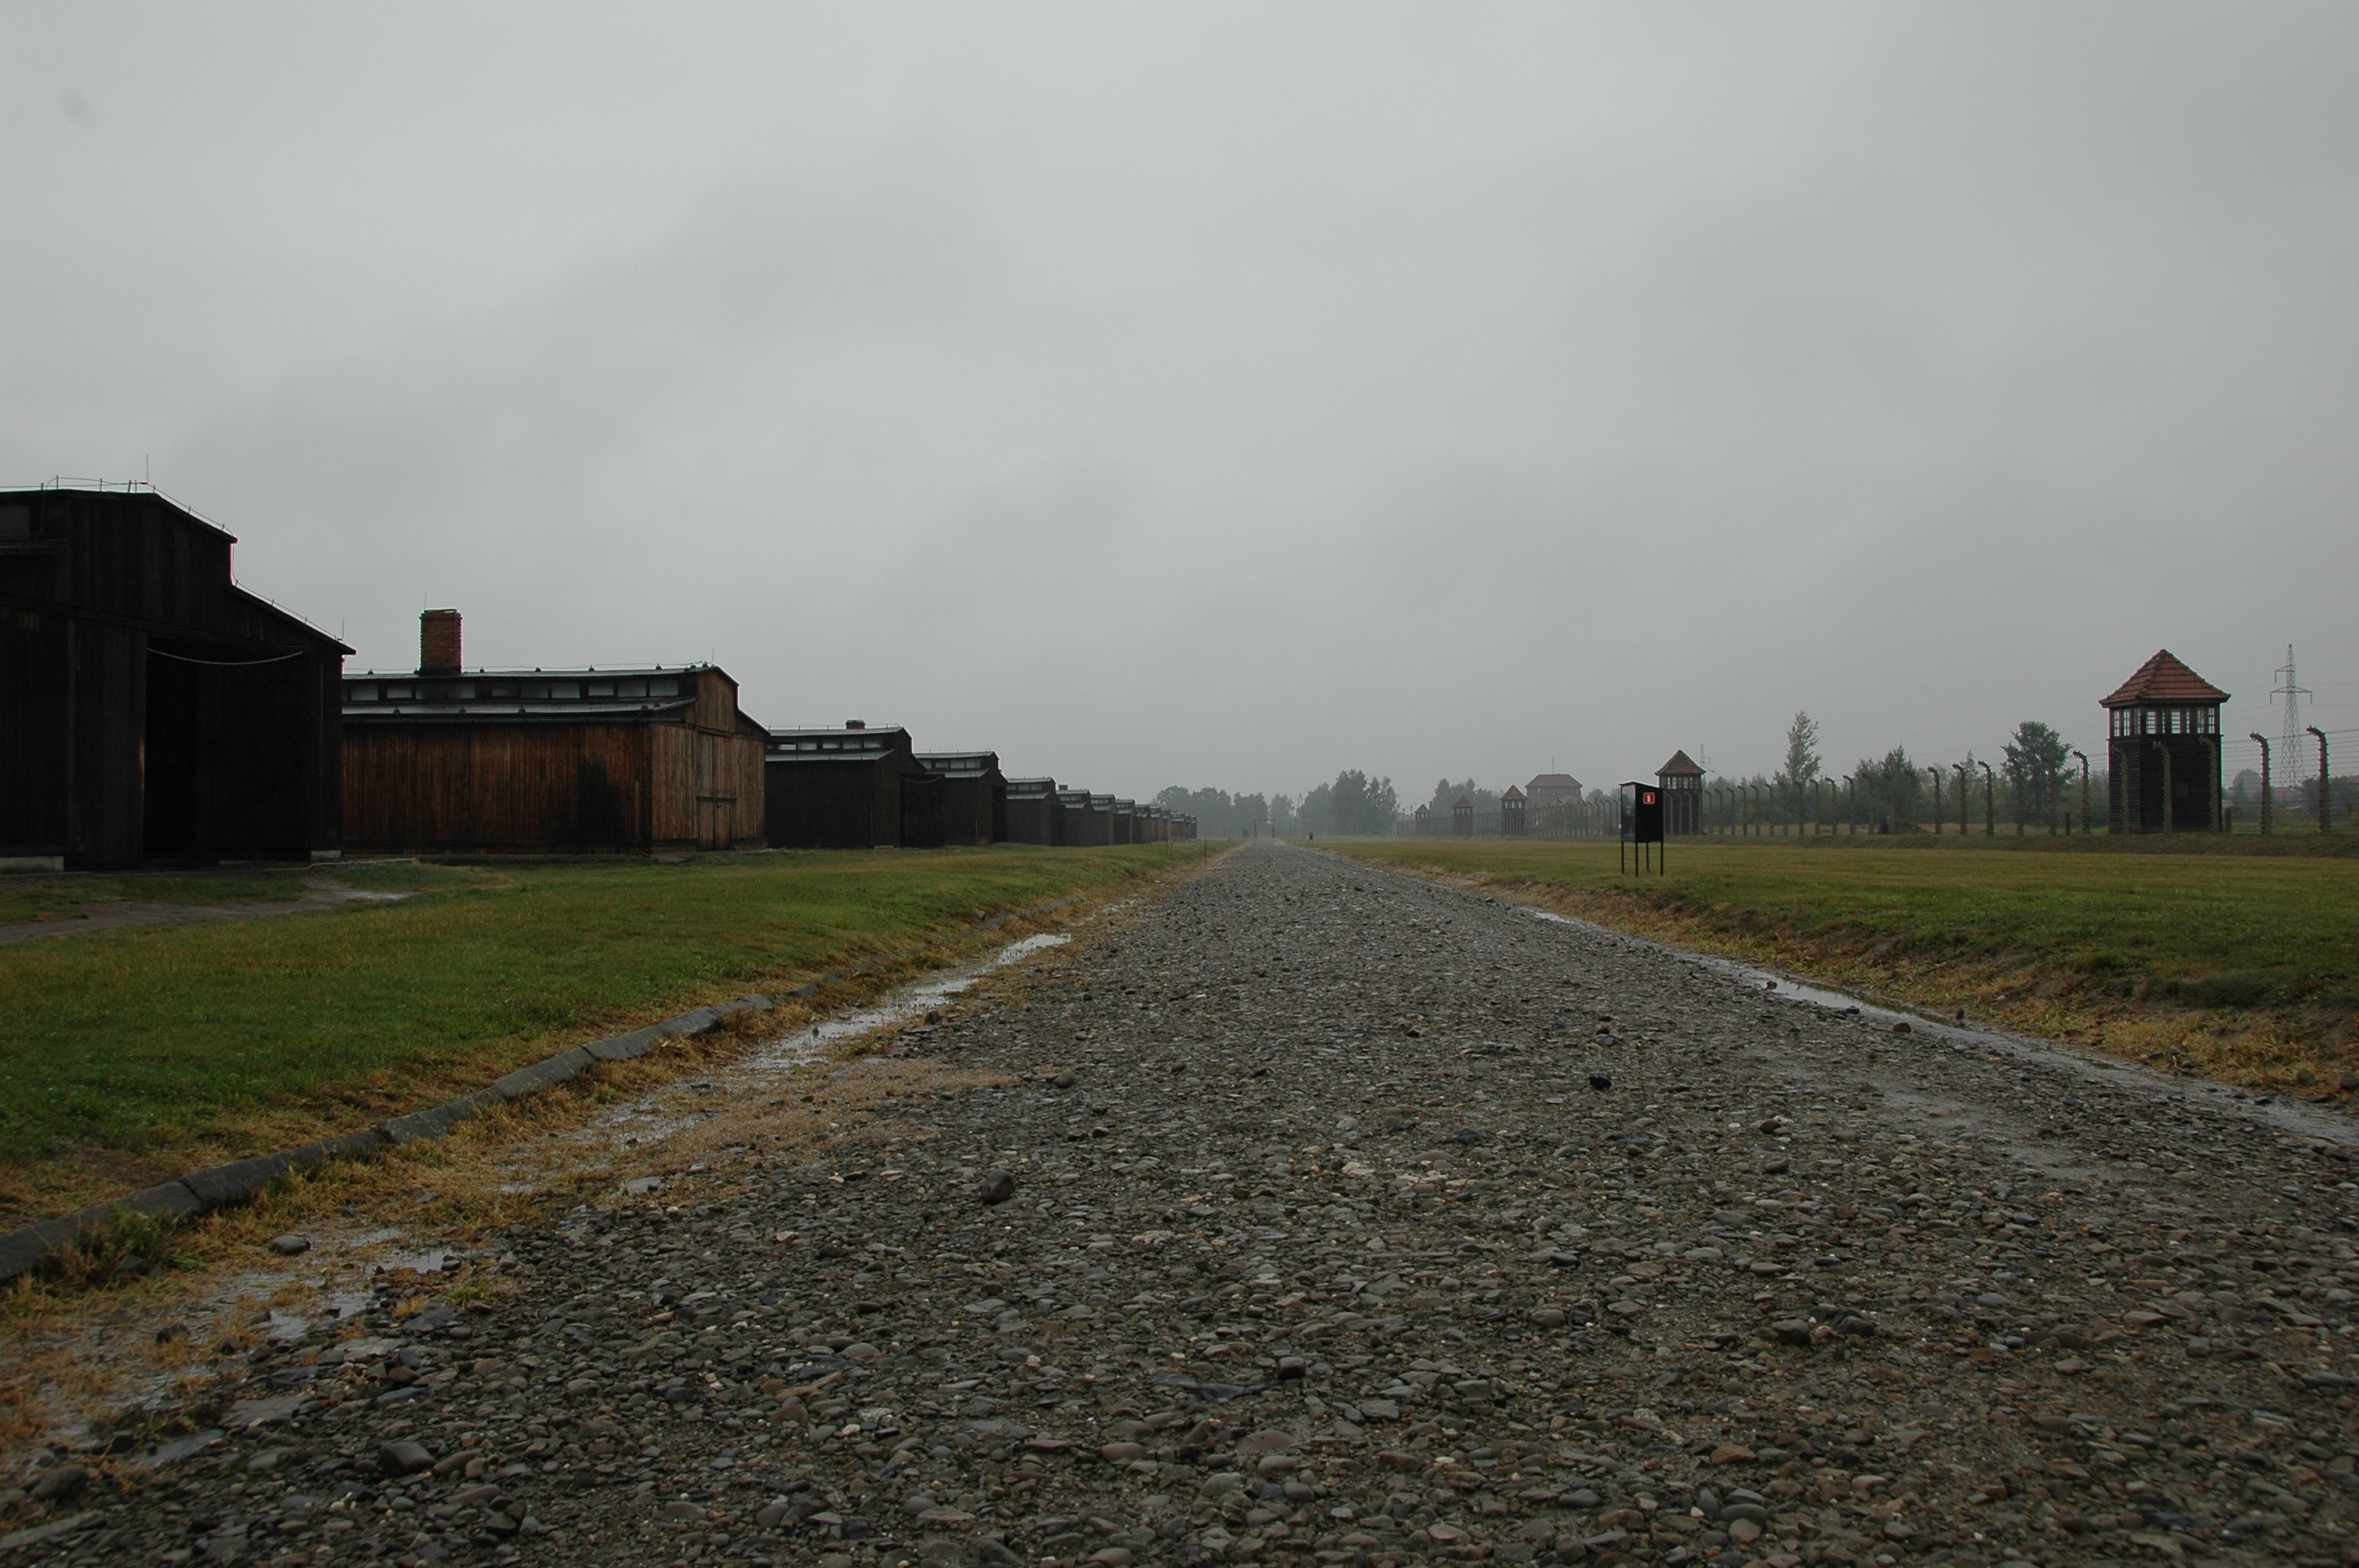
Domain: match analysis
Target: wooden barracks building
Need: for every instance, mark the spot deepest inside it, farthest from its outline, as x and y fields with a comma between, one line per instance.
x=859, y=787
x=448, y=758
x=151, y=708
x=974, y=795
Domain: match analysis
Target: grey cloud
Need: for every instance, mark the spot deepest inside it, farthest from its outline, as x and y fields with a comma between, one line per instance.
x=1415, y=391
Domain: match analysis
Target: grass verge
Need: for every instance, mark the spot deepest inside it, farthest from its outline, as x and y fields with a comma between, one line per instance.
x=2244, y=968
x=136, y=1053
x=83, y=1358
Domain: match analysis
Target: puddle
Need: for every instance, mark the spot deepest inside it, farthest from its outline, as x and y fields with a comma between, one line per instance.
x=433, y=1261
x=900, y=1007
x=652, y=1121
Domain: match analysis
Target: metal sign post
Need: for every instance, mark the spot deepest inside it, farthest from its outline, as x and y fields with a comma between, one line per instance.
x=1642, y=824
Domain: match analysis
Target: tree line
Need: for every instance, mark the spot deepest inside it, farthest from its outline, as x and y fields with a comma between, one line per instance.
x=2035, y=782
x=1351, y=804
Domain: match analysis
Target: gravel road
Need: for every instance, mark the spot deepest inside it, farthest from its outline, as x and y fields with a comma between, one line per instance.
x=1344, y=1218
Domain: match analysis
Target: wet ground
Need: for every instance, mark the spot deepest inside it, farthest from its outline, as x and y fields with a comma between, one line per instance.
x=112, y=915
x=1315, y=1214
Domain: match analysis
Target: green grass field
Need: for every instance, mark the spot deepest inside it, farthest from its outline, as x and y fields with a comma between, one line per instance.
x=2234, y=944
x=26, y=899
x=134, y=1052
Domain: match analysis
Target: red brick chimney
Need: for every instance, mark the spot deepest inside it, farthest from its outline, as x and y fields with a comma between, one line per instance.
x=437, y=643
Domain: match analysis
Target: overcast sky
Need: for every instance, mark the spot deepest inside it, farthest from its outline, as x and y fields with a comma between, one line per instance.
x=1230, y=395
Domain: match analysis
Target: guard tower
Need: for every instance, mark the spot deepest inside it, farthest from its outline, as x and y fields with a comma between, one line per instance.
x=1425, y=822
x=1681, y=783
x=1461, y=819
x=2162, y=751
x=1511, y=811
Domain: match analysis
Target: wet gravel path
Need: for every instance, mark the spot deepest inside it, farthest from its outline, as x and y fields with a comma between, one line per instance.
x=1350, y=1219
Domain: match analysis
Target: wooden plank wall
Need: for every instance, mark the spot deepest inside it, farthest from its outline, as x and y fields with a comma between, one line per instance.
x=966, y=808
x=110, y=705
x=498, y=787
x=35, y=782
x=707, y=789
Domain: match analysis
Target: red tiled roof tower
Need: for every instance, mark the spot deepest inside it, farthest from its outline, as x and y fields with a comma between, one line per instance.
x=2162, y=751
x=2164, y=678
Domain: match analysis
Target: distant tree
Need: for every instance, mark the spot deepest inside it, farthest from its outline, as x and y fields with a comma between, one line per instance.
x=1283, y=819
x=1317, y=812
x=1446, y=796
x=2036, y=759
x=1347, y=802
x=1353, y=803
x=1215, y=810
x=1802, y=760
x=1887, y=790
x=1218, y=814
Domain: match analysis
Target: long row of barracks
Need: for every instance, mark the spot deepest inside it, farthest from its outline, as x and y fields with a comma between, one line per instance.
x=151, y=708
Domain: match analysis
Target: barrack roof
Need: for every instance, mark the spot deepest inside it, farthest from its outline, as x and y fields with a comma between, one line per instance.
x=2164, y=678
x=960, y=761
x=870, y=743
x=489, y=672
x=531, y=695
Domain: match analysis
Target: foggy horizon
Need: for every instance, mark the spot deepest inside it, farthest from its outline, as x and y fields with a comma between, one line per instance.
x=1218, y=397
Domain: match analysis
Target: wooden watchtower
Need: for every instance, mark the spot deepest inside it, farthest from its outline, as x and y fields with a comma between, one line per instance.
x=1511, y=812
x=1461, y=819
x=1681, y=783
x=2162, y=751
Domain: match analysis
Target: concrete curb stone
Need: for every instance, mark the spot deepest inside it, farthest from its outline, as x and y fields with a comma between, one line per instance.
x=218, y=1185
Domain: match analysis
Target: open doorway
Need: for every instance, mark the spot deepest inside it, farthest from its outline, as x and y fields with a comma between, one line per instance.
x=227, y=753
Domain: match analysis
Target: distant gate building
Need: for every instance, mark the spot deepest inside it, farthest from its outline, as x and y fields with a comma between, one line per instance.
x=149, y=707
x=2162, y=751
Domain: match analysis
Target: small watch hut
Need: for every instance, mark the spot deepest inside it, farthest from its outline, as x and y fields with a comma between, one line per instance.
x=1681, y=783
